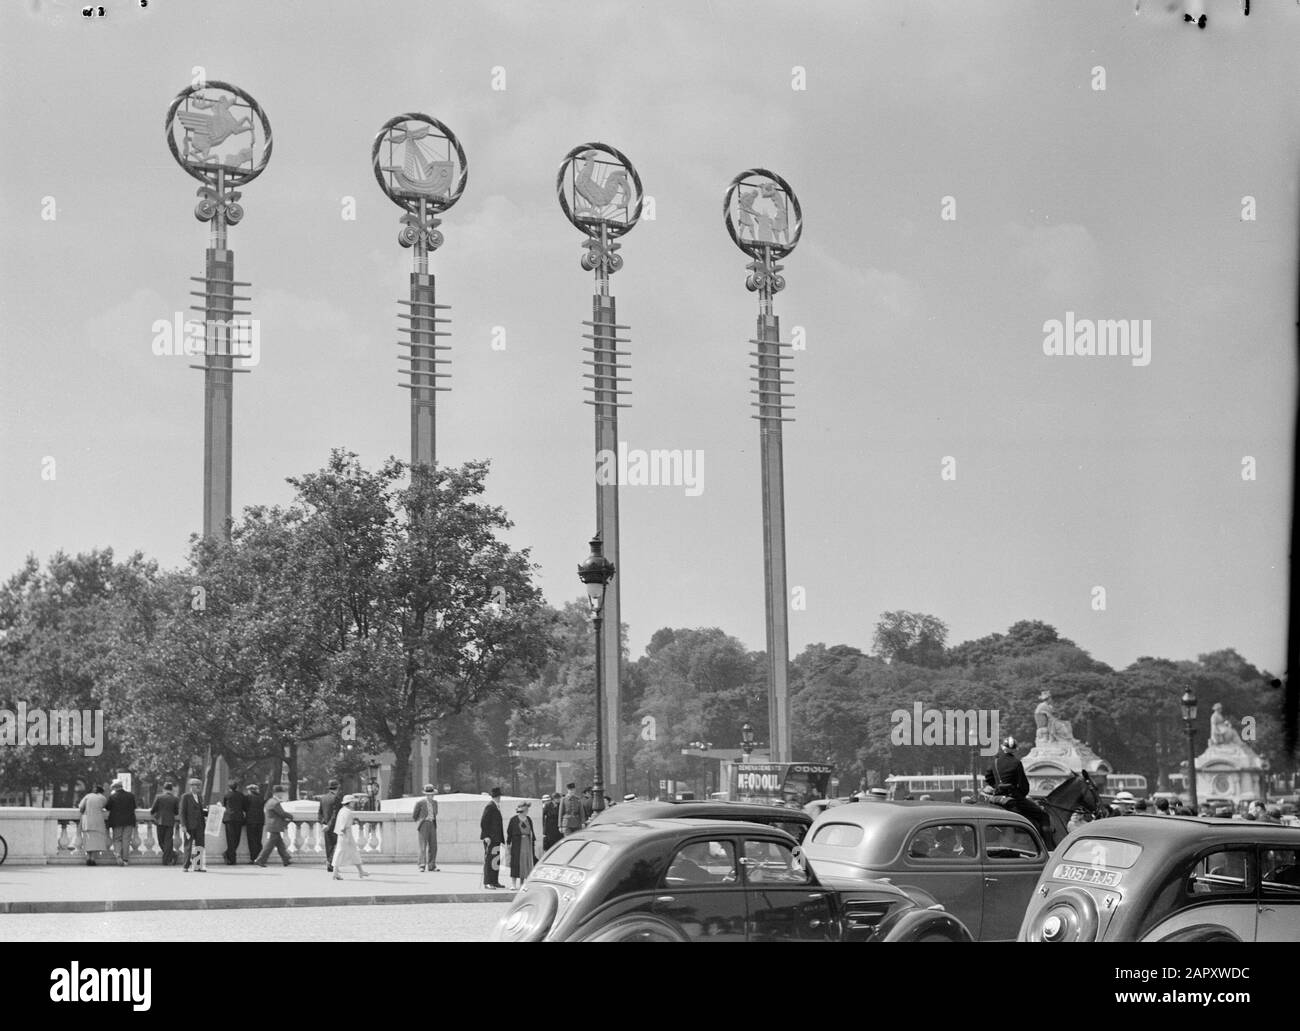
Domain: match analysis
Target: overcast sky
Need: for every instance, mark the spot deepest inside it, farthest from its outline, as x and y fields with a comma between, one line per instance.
x=924, y=335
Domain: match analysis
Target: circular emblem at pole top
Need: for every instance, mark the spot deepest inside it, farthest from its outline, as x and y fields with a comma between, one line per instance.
x=597, y=186
x=762, y=214
x=417, y=158
x=217, y=131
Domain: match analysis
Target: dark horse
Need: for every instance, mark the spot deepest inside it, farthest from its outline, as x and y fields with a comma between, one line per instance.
x=1051, y=813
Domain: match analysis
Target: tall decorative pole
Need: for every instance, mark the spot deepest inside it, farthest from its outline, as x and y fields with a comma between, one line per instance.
x=600, y=193
x=763, y=217
x=219, y=135
x=420, y=166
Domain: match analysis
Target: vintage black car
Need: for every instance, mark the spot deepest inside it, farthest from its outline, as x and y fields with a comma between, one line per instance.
x=794, y=822
x=705, y=880
x=1169, y=878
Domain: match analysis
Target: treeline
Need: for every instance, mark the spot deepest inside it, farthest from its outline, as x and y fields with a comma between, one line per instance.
x=376, y=607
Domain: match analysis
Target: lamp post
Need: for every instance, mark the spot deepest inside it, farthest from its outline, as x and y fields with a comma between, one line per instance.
x=512, y=750
x=1188, y=702
x=599, y=191
x=763, y=217
x=372, y=789
x=220, y=135
x=747, y=740
x=596, y=574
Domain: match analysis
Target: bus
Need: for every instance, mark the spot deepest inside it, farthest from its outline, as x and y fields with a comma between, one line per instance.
x=1134, y=783
x=790, y=784
x=941, y=787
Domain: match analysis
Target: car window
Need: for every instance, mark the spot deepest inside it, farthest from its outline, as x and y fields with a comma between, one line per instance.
x=1280, y=872
x=1120, y=855
x=562, y=854
x=772, y=862
x=795, y=828
x=588, y=858
x=1226, y=872
x=1008, y=841
x=838, y=835
x=945, y=841
x=702, y=862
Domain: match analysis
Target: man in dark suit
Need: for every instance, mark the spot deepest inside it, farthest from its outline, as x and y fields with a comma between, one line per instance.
x=254, y=819
x=232, y=821
x=493, y=832
x=121, y=821
x=328, y=804
x=277, y=822
x=194, y=822
x=550, y=822
x=164, y=811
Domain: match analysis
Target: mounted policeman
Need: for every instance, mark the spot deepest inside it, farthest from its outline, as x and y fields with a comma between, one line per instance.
x=1007, y=782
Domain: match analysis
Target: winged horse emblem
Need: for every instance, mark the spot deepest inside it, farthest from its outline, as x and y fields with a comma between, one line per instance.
x=211, y=126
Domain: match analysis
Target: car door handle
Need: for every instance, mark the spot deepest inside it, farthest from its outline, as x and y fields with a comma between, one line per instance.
x=816, y=896
x=665, y=899
x=990, y=880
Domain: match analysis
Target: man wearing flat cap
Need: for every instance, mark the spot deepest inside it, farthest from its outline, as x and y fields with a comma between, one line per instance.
x=492, y=830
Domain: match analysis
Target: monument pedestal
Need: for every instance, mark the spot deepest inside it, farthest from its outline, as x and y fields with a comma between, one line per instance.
x=1231, y=771
x=1050, y=762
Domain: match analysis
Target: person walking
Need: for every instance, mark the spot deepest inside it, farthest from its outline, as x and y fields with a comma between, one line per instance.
x=571, y=813
x=194, y=822
x=346, y=852
x=426, y=826
x=521, y=837
x=491, y=830
x=121, y=821
x=328, y=806
x=94, y=823
x=254, y=820
x=232, y=821
x=277, y=822
x=550, y=822
x=164, y=811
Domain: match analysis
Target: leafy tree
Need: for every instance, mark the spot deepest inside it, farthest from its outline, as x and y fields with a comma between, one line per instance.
x=912, y=637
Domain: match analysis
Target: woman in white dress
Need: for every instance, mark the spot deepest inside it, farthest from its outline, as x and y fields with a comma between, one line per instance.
x=346, y=852
x=94, y=826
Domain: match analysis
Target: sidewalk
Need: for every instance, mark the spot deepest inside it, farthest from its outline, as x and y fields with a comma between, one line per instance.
x=113, y=889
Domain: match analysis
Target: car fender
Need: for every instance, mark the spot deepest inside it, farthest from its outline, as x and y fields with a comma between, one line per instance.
x=1202, y=933
x=916, y=924
x=635, y=923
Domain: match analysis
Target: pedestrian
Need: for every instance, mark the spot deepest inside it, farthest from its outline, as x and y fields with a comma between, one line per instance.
x=194, y=822
x=121, y=821
x=164, y=810
x=94, y=824
x=346, y=852
x=426, y=827
x=571, y=819
x=328, y=806
x=521, y=836
x=1162, y=807
x=232, y=821
x=550, y=821
x=492, y=832
x=1273, y=814
x=588, y=807
x=254, y=819
x=277, y=822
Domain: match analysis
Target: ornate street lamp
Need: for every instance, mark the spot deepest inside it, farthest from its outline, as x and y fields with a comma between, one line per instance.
x=596, y=574
x=372, y=788
x=1188, y=702
x=599, y=191
x=764, y=220
x=747, y=740
x=421, y=167
x=221, y=136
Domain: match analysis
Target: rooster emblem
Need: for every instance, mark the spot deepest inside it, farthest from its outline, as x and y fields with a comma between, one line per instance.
x=205, y=131
x=599, y=196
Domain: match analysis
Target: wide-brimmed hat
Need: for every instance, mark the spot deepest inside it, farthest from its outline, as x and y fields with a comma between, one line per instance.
x=496, y=792
x=1125, y=796
x=523, y=807
x=254, y=787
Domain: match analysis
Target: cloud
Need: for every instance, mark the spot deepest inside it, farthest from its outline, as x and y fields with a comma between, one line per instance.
x=1061, y=261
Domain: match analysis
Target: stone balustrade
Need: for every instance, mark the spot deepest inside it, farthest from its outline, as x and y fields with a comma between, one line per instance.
x=41, y=836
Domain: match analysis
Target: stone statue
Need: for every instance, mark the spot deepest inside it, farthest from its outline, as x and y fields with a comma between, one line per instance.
x=1050, y=729
x=1221, y=729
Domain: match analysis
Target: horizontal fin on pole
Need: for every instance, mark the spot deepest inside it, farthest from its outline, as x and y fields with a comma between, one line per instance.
x=606, y=325
x=773, y=343
x=218, y=368
x=771, y=418
x=422, y=304
x=611, y=340
x=607, y=350
x=604, y=404
x=420, y=358
x=421, y=386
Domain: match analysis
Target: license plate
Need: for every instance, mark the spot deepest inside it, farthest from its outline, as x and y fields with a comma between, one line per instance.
x=1086, y=875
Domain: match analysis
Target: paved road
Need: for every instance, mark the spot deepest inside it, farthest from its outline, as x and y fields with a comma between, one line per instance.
x=446, y=922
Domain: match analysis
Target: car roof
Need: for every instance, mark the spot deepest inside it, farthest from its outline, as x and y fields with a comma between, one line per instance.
x=640, y=830
x=701, y=809
x=1178, y=833
x=908, y=814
